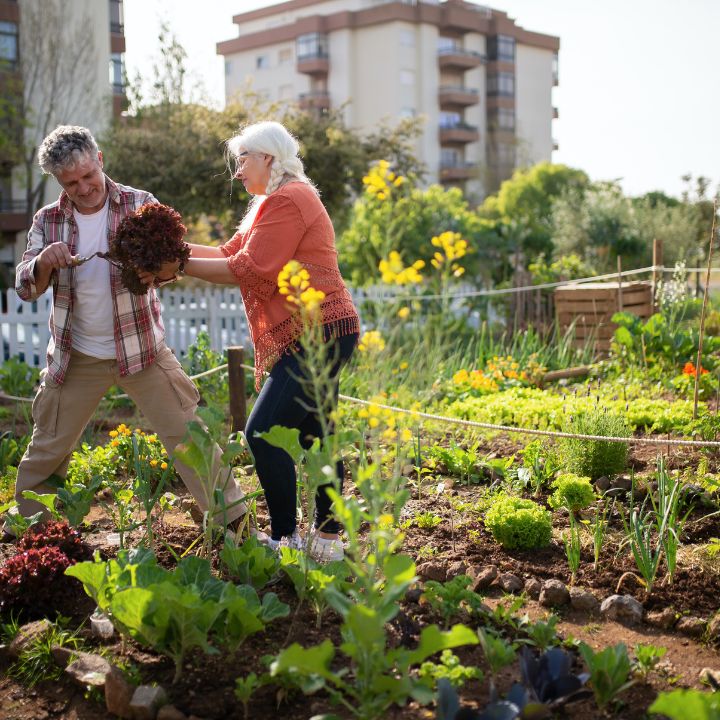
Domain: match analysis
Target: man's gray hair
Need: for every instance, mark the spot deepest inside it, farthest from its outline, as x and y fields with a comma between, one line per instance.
x=64, y=147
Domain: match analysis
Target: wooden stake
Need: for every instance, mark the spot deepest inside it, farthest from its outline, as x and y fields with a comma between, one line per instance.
x=236, y=381
x=701, y=334
x=657, y=273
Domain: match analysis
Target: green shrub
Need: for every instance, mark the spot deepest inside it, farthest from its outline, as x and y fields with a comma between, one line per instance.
x=595, y=458
x=572, y=492
x=519, y=524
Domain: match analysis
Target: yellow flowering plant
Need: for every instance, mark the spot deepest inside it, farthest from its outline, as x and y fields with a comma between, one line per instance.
x=500, y=373
x=381, y=181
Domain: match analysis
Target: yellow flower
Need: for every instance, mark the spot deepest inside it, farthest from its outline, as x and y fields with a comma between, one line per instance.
x=403, y=365
x=403, y=312
x=113, y=433
x=406, y=435
x=373, y=422
x=115, y=443
x=163, y=466
x=294, y=283
x=371, y=341
x=153, y=463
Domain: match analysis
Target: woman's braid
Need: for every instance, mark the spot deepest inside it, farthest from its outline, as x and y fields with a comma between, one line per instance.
x=276, y=176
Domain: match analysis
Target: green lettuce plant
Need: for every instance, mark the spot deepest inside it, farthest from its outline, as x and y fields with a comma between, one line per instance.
x=519, y=524
x=571, y=492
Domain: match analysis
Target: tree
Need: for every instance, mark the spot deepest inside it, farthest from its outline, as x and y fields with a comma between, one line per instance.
x=175, y=148
x=526, y=200
x=406, y=221
x=57, y=67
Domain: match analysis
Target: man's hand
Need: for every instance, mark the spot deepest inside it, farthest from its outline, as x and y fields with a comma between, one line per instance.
x=53, y=257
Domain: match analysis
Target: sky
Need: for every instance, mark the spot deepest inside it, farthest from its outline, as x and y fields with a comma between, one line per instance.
x=637, y=99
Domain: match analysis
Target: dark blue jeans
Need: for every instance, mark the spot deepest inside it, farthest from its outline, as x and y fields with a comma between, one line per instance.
x=282, y=401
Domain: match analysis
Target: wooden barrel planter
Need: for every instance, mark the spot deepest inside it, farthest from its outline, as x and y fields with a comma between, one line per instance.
x=591, y=306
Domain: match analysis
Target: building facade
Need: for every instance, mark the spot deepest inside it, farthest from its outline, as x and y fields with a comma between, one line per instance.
x=61, y=62
x=482, y=84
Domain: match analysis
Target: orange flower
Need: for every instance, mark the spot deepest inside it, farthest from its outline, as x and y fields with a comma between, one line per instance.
x=689, y=369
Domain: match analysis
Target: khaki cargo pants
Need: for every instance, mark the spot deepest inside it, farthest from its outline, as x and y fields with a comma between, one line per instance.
x=164, y=394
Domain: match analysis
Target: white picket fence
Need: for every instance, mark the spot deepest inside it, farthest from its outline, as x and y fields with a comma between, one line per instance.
x=186, y=312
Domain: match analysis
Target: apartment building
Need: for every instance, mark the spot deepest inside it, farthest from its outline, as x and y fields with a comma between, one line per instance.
x=61, y=62
x=482, y=83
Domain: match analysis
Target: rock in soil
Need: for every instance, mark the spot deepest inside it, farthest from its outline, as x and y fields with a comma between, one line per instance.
x=170, y=712
x=709, y=675
x=583, y=600
x=146, y=701
x=456, y=568
x=554, y=593
x=624, y=608
x=663, y=619
x=432, y=571
x=533, y=587
x=88, y=669
x=510, y=583
x=691, y=626
x=27, y=635
x=603, y=484
x=714, y=628
x=483, y=577
x=118, y=693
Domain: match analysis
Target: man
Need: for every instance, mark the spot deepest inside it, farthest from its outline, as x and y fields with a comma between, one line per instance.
x=101, y=334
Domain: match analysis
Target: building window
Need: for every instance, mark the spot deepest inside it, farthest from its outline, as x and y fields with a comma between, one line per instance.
x=9, y=43
x=262, y=62
x=228, y=67
x=449, y=157
x=502, y=83
x=501, y=47
x=450, y=119
x=285, y=56
x=502, y=119
x=116, y=17
x=407, y=78
x=312, y=45
x=407, y=38
x=117, y=73
x=446, y=45
x=505, y=154
x=555, y=69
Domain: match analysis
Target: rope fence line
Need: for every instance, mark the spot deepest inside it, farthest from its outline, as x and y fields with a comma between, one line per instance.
x=469, y=423
x=527, y=431
x=123, y=396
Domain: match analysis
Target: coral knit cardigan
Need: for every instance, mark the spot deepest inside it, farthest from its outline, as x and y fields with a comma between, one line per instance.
x=291, y=224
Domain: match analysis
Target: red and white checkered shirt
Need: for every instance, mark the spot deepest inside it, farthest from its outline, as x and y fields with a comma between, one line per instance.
x=139, y=329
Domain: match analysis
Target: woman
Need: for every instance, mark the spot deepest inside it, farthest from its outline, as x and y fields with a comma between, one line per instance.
x=285, y=221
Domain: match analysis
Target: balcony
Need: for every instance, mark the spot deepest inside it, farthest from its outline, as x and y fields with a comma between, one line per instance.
x=458, y=170
x=13, y=215
x=317, y=64
x=556, y=114
x=555, y=144
x=458, y=133
x=457, y=96
x=316, y=100
x=459, y=59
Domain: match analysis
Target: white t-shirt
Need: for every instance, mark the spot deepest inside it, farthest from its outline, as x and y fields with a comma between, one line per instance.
x=92, y=318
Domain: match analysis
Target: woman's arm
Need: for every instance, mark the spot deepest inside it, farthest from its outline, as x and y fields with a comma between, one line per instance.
x=205, y=251
x=213, y=269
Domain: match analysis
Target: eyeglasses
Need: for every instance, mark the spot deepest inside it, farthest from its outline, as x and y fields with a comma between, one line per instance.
x=243, y=157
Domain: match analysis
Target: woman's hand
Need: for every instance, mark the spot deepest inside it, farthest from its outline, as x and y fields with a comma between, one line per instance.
x=167, y=272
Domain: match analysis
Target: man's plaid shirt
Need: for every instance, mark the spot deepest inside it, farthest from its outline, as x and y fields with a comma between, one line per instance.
x=139, y=330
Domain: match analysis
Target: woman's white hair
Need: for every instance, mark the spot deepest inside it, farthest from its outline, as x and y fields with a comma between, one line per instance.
x=270, y=138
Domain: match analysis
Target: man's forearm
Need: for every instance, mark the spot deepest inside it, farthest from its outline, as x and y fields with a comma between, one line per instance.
x=42, y=275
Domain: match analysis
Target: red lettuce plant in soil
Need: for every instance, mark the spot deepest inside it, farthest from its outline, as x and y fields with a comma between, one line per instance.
x=56, y=533
x=31, y=581
x=145, y=239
